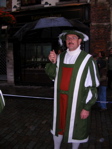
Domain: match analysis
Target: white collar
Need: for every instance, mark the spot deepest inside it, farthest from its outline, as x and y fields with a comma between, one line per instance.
x=75, y=52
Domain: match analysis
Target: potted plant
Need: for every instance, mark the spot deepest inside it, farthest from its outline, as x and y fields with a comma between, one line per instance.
x=6, y=18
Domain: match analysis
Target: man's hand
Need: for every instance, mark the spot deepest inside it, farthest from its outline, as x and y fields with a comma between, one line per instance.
x=84, y=114
x=52, y=57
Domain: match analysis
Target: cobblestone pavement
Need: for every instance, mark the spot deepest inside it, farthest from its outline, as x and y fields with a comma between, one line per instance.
x=25, y=122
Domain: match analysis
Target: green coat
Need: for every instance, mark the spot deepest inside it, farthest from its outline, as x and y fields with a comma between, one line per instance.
x=82, y=94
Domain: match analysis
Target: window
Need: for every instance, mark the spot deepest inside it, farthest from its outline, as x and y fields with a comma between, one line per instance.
x=30, y=2
x=2, y=3
x=35, y=55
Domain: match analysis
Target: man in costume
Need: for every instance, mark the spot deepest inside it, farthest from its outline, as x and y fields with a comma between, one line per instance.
x=76, y=80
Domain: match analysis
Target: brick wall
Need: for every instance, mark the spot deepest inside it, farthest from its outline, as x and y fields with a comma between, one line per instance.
x=100, y=29
x=9, y=4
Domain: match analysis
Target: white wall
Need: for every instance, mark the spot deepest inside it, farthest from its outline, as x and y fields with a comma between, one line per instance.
x=15, y=3
x=52, y=2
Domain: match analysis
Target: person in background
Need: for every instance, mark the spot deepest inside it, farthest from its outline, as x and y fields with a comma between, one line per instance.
x=101, y=60
x=110, y=68
x=102, y=90
x=95, y=56
x=76, y=80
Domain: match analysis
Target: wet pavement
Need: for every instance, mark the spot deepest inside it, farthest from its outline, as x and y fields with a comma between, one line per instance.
x=25, y=121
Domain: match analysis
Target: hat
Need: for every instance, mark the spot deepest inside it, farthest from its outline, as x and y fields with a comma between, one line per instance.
x=62, y=36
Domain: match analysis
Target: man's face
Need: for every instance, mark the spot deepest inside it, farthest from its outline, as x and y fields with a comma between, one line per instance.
x=72, y=42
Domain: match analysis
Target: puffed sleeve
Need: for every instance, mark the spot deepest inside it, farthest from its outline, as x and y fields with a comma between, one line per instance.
x=50, y=70
x=91, y=84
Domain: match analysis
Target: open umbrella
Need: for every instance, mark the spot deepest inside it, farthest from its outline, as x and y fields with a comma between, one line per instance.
x=78, y=25
x=49, y=27
x=52, y=22
x=23, y=30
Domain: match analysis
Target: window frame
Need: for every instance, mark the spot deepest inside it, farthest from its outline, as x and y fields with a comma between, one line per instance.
x=30, y=2
x=2, y=3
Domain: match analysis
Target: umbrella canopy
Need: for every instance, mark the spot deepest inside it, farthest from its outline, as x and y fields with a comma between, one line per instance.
x=23, y=30
x=79, y=26
x=45, y=24
x=52, y=22
x=47, y=28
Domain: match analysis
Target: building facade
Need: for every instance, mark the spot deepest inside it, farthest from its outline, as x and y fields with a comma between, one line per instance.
x=27, y=54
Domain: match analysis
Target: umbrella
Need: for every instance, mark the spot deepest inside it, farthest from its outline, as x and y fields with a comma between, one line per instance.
x=78, y=25
x=52, y=22
x=23, y=30
x=49, y=27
